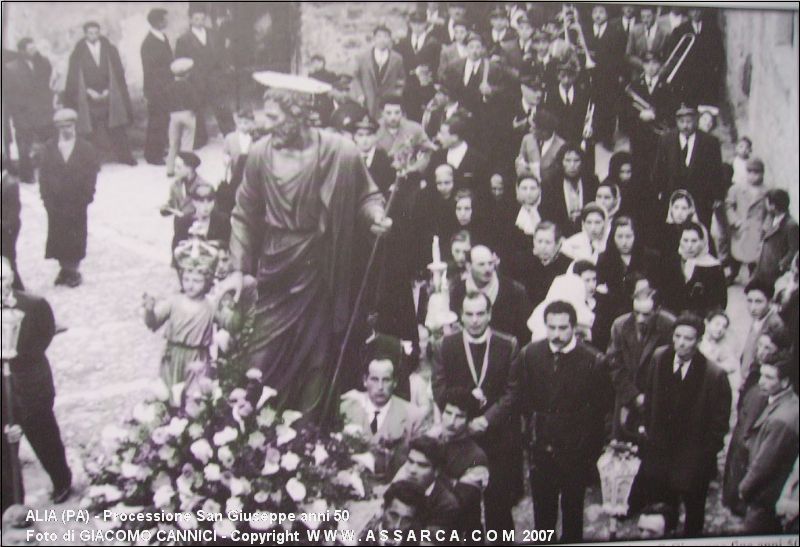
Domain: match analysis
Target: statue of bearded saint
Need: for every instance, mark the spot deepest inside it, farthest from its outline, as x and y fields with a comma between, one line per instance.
x=305, y=196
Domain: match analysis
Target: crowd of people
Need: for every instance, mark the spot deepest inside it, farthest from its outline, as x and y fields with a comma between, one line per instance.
x=517, y=307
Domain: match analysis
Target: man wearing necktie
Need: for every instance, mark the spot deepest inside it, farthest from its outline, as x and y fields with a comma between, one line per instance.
x=478, y=360
x=687, y=406
x=379, y=72
x=634, y=338
x=563, y=390
x=689, y=159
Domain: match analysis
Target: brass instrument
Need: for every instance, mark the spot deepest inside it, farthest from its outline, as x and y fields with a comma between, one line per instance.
x=678, y=55
x=640, y=104
x=588, y=126
x=569, y=19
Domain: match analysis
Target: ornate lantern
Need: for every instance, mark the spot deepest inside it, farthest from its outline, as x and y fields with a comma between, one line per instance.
x=618, y=466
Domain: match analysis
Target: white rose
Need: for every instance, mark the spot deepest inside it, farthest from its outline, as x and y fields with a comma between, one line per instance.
x=266, y=417
x=233, y=505
x=211, y=507
x=187, y=522
x=256, y=440
x=163, y=496
x=224, y=527
x=239, y=487
x=270, y=468
x=145, y=413
x=266, y=394
x=290, y=416
x=320, y=454
x=296, y=489
x=225, y=436
x=177, y=426
x=177, y=392
x=160, y=435
x=161, y=391
x=261, y=497
x=254, y=374
x=285, y=434
x=195, y=431
x=290, y=461
x=212, y=472
x=202, y=450
x=237, y=394
x=131, y=471
x=166, y=453
x=226, y=457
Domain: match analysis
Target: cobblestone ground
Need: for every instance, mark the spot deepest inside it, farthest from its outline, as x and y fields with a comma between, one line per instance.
x=107, y=360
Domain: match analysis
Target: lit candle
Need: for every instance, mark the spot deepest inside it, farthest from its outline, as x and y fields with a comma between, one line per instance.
x=437, y=255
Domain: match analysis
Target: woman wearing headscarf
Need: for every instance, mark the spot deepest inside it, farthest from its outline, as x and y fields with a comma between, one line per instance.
x=694, y=280
x=625, y=255
x=681, y=210
x=569, y=288
x=529, y=197
x=591, y=240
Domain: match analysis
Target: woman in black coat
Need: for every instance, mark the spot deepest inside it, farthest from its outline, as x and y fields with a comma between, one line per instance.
x=625, y=255
x=693, y=279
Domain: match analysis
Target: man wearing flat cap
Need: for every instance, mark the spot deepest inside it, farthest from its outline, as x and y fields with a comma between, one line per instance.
x=419, y=46
x=530, y=101
x=96, y=89
x=689, y=159
x=156, y=55
x=67, y=183
x=305, y=195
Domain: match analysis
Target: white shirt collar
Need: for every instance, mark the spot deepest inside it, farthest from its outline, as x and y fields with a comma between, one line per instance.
x=462, y=50
x=94, y=49
x=777, y=220
x=429, y=490
x=456, y=154
x=201, y=34
x=480, y=339
x=497, y=36
x=369, y=156
x=567, y=93
x=371, y=409
x=599, y=30
x=772, y=398
x=245, y=140
x=683, y=364
x=449, y=110
x=688, y=142
x=158, y=34
x=380, y=56
x=566, y=349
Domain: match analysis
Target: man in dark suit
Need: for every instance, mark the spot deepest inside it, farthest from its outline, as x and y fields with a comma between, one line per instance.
x=9, y=216
x=501, y=35
x=518, y=54
x=379, y=72
x=537, y=269
x=780, y=241
x=29, y=99
x=563, y=390
x=401, y=515
x=645, y=124
x=338, y=110
x=376, y=159
x=568, y=101
x=634, y=338
x=425, y=468
x=33, y=390
x=607, y=43
x=469, y=164
x=510, y=304
x=689, y=159
x=540, y=149
x=445, y=32
x=568, y=190
x=97, y=91
x=419, y=45
x=700, y=78
x=156, y=59
x=647, y=36
x=687, y=407
x=772, y=447
x=205, y=48
x=466, y=463
x=484, y=372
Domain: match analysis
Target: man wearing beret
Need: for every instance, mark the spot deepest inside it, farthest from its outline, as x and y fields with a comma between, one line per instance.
x=97, y=91
x=67, y=183
x=156, y=55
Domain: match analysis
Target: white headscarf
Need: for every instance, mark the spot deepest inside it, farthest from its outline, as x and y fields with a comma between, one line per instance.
x=569, y=288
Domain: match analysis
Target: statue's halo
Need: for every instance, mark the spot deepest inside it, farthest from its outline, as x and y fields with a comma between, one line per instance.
x=291, y=82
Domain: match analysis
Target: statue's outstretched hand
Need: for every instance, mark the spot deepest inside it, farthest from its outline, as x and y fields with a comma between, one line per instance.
x=380, y=223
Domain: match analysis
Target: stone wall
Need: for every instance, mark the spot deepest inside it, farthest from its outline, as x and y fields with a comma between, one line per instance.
x=762, y=82
x=341, y=30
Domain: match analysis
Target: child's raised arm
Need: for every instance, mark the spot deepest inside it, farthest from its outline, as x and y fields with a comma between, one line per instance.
x=156, y=312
